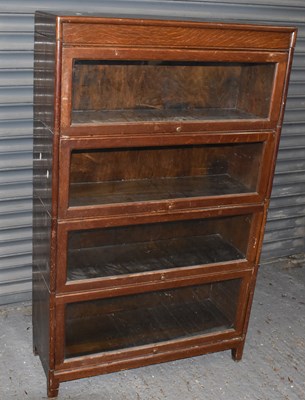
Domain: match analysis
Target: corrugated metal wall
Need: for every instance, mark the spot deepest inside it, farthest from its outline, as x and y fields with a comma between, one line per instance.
x=285, y=234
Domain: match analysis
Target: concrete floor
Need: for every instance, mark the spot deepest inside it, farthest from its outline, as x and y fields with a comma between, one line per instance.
x=273, y=366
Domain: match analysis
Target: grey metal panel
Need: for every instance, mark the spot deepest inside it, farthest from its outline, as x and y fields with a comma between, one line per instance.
x=16, y=59
x=293, y=103
x=296, y=88
x=15, y=144
x=23, y=204
x=291, y=165
x=299, y=59
x=286, y=190
x=10, y=111
x=13, y=175
x=16, y=129
x=286, y=11
x=293, y=128
x=297, y=75
x=16, y=94
x=296, y=114
x=17, y=219
x=280, y=248
x=288, y=201
x=288, y=141
x=16, y=22
x=15, y=247
x=16, y=77
x=286, y=221
x=9, y=275
x=15, y=190
x=281, y=178
x=16, y=41
x=8, y=236
x=282, y=234
x=286, y=212
x=16, y=261
x=22, y=159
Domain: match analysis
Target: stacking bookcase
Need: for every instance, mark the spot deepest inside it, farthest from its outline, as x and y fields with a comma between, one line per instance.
x=154, y=150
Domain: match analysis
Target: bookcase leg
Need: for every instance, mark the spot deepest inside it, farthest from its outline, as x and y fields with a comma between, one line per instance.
x=53, y=386
x=237, y=352
x=35, y=351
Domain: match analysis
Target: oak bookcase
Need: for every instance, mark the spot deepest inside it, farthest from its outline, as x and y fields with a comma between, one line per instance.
x=154, y=150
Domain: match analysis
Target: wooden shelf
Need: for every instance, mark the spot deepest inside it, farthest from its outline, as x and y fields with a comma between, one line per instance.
x=95, y=193
x=152, y=114
x=130, y=258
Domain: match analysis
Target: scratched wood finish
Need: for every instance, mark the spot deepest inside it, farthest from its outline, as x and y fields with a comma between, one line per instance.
x=154, y=151
x=179, y=34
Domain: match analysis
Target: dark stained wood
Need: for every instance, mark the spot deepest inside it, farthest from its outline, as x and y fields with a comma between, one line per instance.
x=184, y=350
x=154, y=151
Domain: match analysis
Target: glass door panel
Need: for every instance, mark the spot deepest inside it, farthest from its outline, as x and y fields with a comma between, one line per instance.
x=123, y=91
x=124, y=175
x=123, y=250
x=141, y=319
